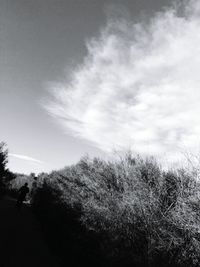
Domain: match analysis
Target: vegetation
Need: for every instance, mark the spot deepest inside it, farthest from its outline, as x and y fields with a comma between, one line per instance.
x=5, y=175
x=124, y=213
x=20, y=179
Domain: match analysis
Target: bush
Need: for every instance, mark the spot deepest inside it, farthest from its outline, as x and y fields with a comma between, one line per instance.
x=124, y=213
x=67, y=237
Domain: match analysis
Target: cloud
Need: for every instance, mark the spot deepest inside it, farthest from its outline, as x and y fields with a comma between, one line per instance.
x=138, y=87
x=27, y=158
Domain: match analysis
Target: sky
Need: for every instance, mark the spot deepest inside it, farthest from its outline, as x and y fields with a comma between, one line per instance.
x=84, y=77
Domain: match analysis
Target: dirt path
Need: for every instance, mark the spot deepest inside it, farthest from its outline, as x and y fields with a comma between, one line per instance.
x=21, y=241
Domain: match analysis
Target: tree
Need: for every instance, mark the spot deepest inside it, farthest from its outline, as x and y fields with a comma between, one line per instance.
x=3, y=163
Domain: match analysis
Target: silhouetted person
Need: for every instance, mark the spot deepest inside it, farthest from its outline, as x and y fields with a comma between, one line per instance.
x=23, y=191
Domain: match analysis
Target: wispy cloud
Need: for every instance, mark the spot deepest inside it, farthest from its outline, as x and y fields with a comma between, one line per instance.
x=139, y=86
x=27, y=158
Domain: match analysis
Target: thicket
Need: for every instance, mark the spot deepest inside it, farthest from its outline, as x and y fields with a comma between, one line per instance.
x=128, y=212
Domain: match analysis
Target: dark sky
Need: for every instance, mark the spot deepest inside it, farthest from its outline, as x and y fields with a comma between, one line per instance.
x=40, y=41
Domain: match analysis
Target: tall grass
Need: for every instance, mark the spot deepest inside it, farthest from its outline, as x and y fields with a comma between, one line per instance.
x=128, y=212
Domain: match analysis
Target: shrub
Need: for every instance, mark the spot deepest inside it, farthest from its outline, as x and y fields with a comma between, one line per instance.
x=123, y=213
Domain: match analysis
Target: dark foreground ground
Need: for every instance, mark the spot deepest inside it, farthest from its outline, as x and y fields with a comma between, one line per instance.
x=21, y=241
